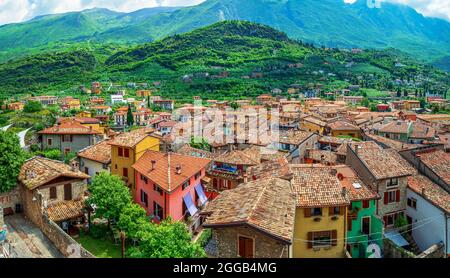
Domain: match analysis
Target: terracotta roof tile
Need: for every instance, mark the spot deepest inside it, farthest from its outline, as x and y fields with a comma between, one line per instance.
x=187, y=150
x=395, y=127
x=349, y=180
x=65, y=210
x=317, y=186
x=320, y=155
x=250, y=156
x=267, y=205
x=38, y=171
x=439, y=162
x=382, y=163
x=431, y=191
x=294, y=137
x=100, y=152
x=342, y=125
x=132, y=138
x=69, y=127
x=164, y=174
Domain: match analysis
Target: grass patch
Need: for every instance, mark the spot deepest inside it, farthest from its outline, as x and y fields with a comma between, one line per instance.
x=101, y=248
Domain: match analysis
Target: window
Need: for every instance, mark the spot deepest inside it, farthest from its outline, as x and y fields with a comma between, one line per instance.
x=121, y=152
x=389, y=220
x=245, y=247
x=366, y=204
x=158, y=189
x=316, y=211
x=198, y=175
x=335, y=211
x=158, y=211
x=68, y=192
x=185, y=185
x=392, y=182
x=127, y=152
x=67, y=138
x=322, y=239
x=144, y=179
x=412, y=203
x=144, y=198
x=49, y=141
x=53, y=193
x=365, y=225
x=125, y=172
x=391, y=197
x=115, y=166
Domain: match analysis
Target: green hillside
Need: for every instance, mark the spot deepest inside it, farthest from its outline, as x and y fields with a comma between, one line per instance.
x=326, y=22
x=229, y=59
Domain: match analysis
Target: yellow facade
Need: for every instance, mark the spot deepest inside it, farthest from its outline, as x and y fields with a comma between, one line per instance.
x=411, y=104
x=84, y=114
x=351, y=133
x=312, y=127
x=119, y=163
x=306, y=225
x=96, y=127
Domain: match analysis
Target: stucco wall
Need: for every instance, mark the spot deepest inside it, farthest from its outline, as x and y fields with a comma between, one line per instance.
x=265, y=246
x=94, y=167
x=429, y=223
x=78, y=143
x=304, y=225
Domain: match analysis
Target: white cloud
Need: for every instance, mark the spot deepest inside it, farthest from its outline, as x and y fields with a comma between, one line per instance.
x=21, y=10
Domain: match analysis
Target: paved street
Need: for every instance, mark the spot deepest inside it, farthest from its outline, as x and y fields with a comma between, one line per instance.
x=27, y=240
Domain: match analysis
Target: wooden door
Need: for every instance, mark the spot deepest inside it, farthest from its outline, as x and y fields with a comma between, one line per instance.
x=246, y=246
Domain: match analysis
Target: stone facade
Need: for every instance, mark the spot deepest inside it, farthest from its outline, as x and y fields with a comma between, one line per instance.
x=393, y=207
x=9, y=200
x=264, y=246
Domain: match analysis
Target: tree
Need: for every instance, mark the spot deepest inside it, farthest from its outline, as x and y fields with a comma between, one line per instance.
x=109, y=195
x=11, y=159
x=130, y=119
x=132, y=219
x=166, y=240
x=32, y=107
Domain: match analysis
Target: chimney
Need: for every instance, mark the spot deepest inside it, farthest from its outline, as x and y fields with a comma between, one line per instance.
x=74, y=165
x=153, y=164
x=178, y=169
x=245, y=176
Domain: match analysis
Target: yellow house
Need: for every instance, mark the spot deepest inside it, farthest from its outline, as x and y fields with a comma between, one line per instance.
x=411, y=104
x=343, y=128
x=313, y=124
x=320, y=218
x=127, y=148
x=84, y=114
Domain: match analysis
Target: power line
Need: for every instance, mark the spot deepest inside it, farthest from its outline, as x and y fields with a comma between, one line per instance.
x=430, y=220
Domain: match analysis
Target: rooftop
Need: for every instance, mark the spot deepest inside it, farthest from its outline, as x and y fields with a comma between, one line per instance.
x=439, y=162
x=38, y=171
x=317, y=186
x=70, y=127
x=267, y=205
x=395, y=127
x=65, y=210
x=100, y=152
x=294, y=137
x=250, y=156
x=342, y=125
x=357, y=190
x=382, y=163
x=164, y=172
x=431, y=191
x=130, y=139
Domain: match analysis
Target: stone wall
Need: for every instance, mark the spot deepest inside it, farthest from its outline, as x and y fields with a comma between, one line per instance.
x=9, y=199
x=65, y=243
x=393, y=251
x=265, y=246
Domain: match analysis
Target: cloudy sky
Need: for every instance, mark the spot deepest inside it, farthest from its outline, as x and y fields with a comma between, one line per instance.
x=21, y=10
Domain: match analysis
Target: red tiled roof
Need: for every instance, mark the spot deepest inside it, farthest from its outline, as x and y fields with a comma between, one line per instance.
x=317, y=186
x=65, y=210
x=382, y=163
x=439, y=162
x=349, y=180
x=267, y=205
x=164, y=174
x=130, y=139
x=431, y=191
x=38, y=171
x=342, y=125
x=100, y=152
x=69, y=127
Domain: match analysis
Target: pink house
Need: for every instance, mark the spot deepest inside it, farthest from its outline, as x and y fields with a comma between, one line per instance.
x=170, y=185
